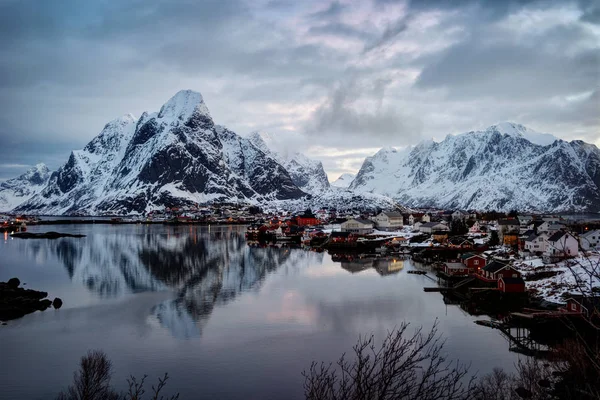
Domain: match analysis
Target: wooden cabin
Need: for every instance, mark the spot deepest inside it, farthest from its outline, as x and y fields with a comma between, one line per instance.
x=587, y=306
x=340, y=237
x=511, y=285
x=474, y=262
x=455, y=269
x=496, y=270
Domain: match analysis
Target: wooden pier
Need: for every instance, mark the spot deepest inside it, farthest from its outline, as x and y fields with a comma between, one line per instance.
x=437, y=289
x=519, y=340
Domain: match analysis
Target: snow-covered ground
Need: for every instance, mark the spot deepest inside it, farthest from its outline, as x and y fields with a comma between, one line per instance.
x=575, y=276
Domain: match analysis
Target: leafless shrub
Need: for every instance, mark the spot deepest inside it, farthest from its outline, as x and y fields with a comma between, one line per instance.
x=404, y=367
x=92, y=382
x=136, y=389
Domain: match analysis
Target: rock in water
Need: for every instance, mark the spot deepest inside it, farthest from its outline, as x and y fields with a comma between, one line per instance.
x=57, y=303
x=16, y=302
x=13, y=283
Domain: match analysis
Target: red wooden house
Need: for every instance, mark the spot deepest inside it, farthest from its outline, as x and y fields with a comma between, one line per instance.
x=511, y=285
x=496, y=270
x=455, y=269
x=587, y=306
x=459, y=242
x=302, y=220
x=306, y=219
x=474, y=262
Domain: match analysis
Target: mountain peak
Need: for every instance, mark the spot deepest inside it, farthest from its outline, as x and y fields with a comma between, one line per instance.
x=510, y=128
x=521, y=131
x=344, y=180
x=263, y=140
x=36, y=175
x=41, y=167
x=183, y=105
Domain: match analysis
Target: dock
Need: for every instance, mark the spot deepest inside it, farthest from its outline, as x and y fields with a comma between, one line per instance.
x=437, y=289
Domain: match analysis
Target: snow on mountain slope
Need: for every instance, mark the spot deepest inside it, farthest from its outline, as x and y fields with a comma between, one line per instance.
x=171, y=158
x=306, y=173
x=499, y=168
x=17, y=190
x=518, y=130
x=344, y=180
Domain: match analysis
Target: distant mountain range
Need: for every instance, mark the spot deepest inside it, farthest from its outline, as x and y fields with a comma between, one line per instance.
x=179, y=157
x=505, y=167
x=18, y=190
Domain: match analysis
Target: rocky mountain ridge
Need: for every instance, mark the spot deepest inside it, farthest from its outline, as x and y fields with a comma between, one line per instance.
x=175, y=157
x=505, y=167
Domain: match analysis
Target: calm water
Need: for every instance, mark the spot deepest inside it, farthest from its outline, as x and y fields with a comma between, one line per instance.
x=225, y=320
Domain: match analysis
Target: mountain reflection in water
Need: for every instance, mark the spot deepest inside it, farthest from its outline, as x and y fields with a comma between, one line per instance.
x=204, y=268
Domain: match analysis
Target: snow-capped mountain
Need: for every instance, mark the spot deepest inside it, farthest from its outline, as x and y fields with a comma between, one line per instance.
x=507, y=166
x=17, y=190
x=344, y=180
x=174, y=157
x=306, y=173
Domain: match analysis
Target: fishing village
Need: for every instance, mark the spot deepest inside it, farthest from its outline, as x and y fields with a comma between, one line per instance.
x=534, y=278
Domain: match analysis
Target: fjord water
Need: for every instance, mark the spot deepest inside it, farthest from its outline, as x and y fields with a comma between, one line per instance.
x=224, y=319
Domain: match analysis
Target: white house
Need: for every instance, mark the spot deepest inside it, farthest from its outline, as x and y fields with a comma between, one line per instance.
x=389, y=221
x=550, y=227
x=561, y=244
x=534, y=225
x=411, y=220
x=525, y=220
x=357, y=225
x=551, y=219
x=535, y=243
x=456, y=215
x=323, y=214
x=475, y=228
x=426, y=218
x=507, y=226
x=431, y=227
x=590, y=240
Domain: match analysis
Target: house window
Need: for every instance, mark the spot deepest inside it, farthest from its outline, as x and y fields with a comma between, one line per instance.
x=573, y=307
x=476, y=262
x=514, y=276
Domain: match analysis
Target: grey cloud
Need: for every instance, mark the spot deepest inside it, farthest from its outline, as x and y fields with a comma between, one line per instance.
x=389, y=34
x=584, y=112
x=340, y=115
x=341, y=29
x=592, y=15
x=488, y=10
x=590, y=11
x=334, y=9
x=511, y=70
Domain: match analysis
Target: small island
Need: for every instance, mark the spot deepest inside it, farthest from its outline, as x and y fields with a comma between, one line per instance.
x=15, y=301
x=43, y=235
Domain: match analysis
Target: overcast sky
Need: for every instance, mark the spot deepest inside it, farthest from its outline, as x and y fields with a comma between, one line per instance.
x=337, y=79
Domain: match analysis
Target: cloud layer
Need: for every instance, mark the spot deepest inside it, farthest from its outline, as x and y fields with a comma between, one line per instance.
x=339, y=79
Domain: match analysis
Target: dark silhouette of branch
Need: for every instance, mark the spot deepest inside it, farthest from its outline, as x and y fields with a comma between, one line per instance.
x=405, y=366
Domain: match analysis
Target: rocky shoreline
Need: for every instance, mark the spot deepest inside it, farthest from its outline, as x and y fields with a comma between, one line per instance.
x=15, y=301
